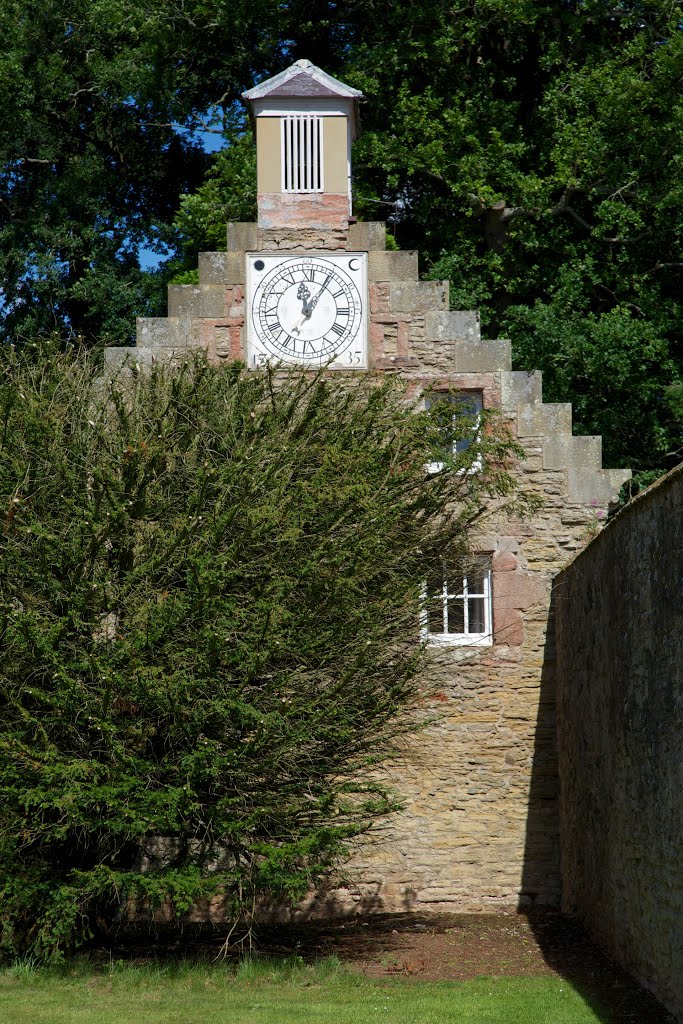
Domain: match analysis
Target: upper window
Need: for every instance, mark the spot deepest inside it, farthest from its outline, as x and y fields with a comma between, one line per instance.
x=448, y=406
x=302, y=153
x=457, y=605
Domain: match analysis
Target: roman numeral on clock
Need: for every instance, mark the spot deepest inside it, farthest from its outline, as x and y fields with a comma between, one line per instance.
x=337, y=330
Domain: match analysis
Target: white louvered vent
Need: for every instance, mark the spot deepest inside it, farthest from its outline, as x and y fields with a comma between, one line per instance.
x=302, y=153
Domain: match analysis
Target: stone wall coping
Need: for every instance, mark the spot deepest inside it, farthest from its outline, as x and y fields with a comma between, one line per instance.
x=667, y=480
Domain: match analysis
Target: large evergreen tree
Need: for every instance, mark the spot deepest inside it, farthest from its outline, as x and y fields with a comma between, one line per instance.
x=210, y=589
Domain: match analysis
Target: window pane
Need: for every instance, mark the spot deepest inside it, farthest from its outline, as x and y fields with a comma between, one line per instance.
x=456, y=616
x=470, y=404
x=477, y=623
x=475, y=581
x=434, y=605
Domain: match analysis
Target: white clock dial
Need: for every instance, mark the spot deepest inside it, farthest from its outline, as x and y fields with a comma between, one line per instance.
x=308, y=310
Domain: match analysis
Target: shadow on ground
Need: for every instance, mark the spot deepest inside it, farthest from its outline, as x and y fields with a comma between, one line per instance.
x=440, y=947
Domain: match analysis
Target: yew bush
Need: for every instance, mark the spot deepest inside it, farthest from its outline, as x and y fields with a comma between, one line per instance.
x=209, y=597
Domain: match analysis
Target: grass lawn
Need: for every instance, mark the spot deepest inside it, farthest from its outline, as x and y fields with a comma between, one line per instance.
x=276, y=993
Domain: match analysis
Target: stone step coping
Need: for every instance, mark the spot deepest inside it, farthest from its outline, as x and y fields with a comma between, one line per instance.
x=477, y=356
x=452, y=325
x=520, y=387
x=595, y=487
x=418, y=296
x=191, y=300
x=165, y=332
x=572, y=451
x=117, y=358
x=540, y=419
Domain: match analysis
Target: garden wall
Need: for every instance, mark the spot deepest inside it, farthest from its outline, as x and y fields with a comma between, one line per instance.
x=619, y=633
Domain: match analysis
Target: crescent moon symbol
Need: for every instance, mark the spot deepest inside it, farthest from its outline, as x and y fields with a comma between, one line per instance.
x=351, y=264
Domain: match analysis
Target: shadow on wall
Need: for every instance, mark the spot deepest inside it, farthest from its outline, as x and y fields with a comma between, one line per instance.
x=565, y=944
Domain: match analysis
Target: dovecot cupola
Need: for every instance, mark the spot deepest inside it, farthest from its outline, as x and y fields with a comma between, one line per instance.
x=305, y=123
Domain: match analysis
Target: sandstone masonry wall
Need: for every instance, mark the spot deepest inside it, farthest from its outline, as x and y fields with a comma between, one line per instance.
x=619, y=613
x=480, y=827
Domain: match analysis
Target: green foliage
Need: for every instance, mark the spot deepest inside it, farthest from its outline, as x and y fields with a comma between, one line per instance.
x=228, y=194
x=534, y=150
x=515, y=145
x=209, y=595
x=101, y=103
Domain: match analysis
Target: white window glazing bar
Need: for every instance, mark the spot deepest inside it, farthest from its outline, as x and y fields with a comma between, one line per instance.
x=466, y=607
x=487, y=602
x=320, y=162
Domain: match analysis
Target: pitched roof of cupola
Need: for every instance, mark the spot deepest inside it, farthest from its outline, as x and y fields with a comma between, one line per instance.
x=302, y=81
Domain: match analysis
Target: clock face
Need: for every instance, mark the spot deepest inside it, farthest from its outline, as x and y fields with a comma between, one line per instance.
x=308, y=310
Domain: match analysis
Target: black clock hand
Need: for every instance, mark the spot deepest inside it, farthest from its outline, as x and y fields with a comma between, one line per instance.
x=303, y=294
x=300, y=322
x=310, y=306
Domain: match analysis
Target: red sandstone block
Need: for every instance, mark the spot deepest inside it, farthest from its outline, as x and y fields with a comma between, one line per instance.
x=376, y=338
x=402, y=343
x=504, y=562
x=508, y=626
x=379, y=298
x=518, y=590
x=236, y=349
x=303, y=210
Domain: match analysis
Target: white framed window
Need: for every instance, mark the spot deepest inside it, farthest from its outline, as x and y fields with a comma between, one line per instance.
x=448, y=406
x=302, y=153
x=457, y=605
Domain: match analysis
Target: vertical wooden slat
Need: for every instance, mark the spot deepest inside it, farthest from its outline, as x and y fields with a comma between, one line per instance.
x=304, y=154
x=321, y=155
x=283, y=153
x=314, y=153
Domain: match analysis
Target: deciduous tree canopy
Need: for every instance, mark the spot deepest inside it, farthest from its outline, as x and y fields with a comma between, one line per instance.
x=531, y=151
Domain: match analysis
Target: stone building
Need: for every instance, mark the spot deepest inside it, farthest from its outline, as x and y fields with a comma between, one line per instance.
x=307, y=284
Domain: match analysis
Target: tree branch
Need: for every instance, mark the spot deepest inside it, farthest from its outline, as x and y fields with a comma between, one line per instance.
x=659, y=266
x=562, y=207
